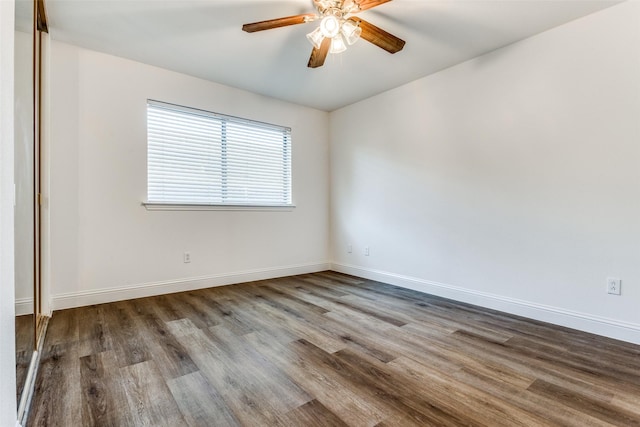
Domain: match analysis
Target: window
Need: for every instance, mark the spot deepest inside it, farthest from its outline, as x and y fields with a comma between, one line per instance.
x=196, y=157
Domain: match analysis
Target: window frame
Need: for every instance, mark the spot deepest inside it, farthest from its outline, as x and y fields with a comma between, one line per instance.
x=224, y=118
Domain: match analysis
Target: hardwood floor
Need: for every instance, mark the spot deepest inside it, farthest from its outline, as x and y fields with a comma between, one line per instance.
x=325, y=349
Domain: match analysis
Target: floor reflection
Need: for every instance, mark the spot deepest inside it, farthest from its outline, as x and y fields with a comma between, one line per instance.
x=24, y=350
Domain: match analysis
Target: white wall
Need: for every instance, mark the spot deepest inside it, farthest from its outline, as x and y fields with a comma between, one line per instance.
x=510, y=181
x=8, y=409
x=105, y=245
x=23, y=161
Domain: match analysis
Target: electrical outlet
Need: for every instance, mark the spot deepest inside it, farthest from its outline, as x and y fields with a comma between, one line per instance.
x=186, y=257
x=349, y=249
x=613, y=286
x=366, y=251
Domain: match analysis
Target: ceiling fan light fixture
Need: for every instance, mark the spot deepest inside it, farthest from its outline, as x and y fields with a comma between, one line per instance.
x=337, y=44
x=337, y=29
x=351, y=32
x=330, y=26
x=315, y=37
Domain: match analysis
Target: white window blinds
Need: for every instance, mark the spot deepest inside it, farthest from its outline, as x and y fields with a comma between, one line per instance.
x=204, y=158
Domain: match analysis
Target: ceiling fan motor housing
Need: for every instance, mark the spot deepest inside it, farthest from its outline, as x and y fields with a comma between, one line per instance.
x=337, y=8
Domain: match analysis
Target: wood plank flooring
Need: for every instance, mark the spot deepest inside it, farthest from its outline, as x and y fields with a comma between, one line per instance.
x=325, y=349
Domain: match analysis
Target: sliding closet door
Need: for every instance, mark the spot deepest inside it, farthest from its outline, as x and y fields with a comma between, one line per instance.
x=30, y=323
x=25, y=208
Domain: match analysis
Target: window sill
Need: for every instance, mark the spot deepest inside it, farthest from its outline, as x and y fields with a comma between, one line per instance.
x=201, y=207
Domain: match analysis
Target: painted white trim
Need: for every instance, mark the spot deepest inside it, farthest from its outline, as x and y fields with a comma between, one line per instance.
x=99, y=296
x=24, y=306
x=8, y=407
x=153, y=206
x=612, y=328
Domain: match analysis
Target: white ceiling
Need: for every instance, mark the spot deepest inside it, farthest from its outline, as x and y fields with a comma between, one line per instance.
x=204, y=39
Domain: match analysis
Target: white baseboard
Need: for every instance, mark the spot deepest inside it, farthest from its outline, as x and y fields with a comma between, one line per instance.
x=100, y=296
x=611, y=328
x=24, y=306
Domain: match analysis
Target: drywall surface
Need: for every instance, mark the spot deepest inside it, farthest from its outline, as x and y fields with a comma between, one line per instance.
x=511, y=180
x=8, y=409
x=105, y=245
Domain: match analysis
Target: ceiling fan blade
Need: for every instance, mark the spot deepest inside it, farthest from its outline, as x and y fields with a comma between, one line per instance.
x=279, y=22
x=367, y=4
x=378, y=36
x=319, y=55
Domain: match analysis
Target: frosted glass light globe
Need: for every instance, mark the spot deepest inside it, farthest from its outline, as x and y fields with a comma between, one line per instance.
x=330, y=26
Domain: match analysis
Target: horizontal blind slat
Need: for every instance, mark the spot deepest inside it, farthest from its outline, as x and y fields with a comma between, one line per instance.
x=194, y=156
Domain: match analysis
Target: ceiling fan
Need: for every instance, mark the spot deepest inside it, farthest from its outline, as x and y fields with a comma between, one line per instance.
x=338, y=28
